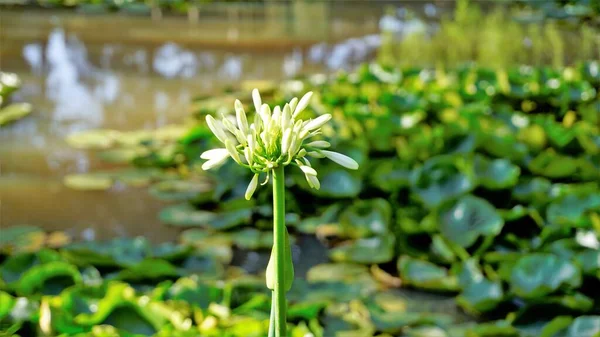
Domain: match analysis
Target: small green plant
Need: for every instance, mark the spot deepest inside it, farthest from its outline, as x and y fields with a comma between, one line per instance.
x=274, y=140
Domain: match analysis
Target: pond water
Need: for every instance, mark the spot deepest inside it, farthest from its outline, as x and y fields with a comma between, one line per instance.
x=84, y=72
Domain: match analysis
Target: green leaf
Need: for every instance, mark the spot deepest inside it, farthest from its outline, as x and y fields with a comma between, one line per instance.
x=426, y=275
x=186, y=215
x=14, y=112
x=88, y=181
x=338, y=183
x=481, y=296
x=470, y=218
x=540, y=274
x=378, y=249
x=553, y=165
x=365, y=218
x=571, y=209
x=584, y=326
x=34, y=278
x=497, y=173
x=589, y=261
x=288, y=264
x=121, y=252
x=440, y=179
x=390, y=175
x=535, y=190
x=179, y=190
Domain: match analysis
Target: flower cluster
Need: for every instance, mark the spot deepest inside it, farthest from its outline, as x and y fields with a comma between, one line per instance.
x=275, y=138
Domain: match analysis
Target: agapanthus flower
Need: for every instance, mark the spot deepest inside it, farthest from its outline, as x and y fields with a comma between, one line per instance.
x=276, y=137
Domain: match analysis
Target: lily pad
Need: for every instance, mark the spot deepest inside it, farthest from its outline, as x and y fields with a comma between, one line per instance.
x=470, y=218
x=93, y=139
x=537, y=275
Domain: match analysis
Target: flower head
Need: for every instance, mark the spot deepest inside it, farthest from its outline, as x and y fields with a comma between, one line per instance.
x=275, y=138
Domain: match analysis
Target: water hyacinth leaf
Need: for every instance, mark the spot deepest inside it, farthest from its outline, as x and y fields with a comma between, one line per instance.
x=338, y=184
x=541, y=274
x=440, y=179
x=6, y=304
x=584, y=326
x=470, y=218
x=426, y=275
x=149, y=269
x=186, y=215
x=553, y=165
x=34, y=279
x=571, y=210
x=14, y=112
x=94, y=139
x=496, y=173
x=589, y=261
x=179, y=190
x=88, y=181
x=21, y=239
x=121, y=252
x=535, y=190
x=378, y=249
x=342, y=273
x=365, y=218
x=481, y=296
x=390, y=175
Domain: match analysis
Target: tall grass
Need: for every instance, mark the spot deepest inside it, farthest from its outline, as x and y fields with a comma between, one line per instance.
x=491, y=39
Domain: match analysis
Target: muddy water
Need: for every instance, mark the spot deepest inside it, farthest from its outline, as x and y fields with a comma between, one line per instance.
x=126, y=73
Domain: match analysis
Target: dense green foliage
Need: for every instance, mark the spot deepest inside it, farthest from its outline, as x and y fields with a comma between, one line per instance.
x=478, y=184
x=535, y=32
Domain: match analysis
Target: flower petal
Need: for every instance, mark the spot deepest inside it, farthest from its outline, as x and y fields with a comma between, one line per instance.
x=251, y=187
x=233, y=151
x=316, y=154
x=286, y=140
x=216, y=128
x=308, y=170
x=265, y=115
x=214, y=153
x=286, y=117
x=316, y=123
x=215, y=162
x=256, y=99
x=240, y=116
x=302, y=104
x=313, y=181
x=341, y=159
x=319, y=144
x=293, y=103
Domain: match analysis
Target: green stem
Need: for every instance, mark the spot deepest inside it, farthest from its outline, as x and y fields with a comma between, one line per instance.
x=279, y=233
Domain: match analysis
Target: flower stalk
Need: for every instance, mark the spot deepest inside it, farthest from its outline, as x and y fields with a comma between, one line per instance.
x=275, y=139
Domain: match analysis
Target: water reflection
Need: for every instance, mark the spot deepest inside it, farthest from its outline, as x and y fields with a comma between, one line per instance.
x=77, y=84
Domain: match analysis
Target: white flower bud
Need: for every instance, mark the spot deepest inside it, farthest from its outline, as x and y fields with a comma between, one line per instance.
x=214, y=153
x=240, y=116
x=308, y=170
x=215, y=162
x=286, y=140
x=256, y=99
x=293, y=104
x=317, y=122
x=286, y=117
x=341, y=159
x=316, y=154
x=302, y=104
x=265, y=115
x=233, y=152
x=313, y=182
x=215, y=127
x=321, y=144
x=251, y=187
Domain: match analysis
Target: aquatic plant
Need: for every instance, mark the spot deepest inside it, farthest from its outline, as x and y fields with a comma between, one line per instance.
x=273, y=141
